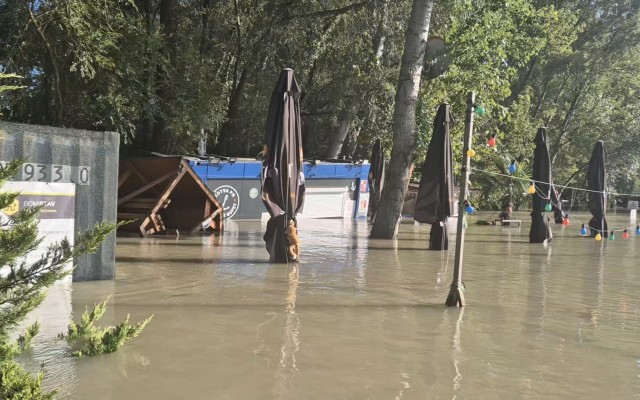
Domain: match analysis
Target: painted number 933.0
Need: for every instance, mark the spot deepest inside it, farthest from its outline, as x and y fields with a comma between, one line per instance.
x=56, y=173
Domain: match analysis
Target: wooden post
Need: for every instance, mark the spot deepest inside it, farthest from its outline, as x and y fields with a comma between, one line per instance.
x=456, y=294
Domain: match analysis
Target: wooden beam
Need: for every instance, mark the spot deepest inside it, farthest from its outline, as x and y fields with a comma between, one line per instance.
x=139, y=204
x=123, y=178
x=146, y=187
x=207, y=207
x=216, y=212
x=143, y=233
x=167, y=191
x=131, y=216
x=154, y=222
x=199, y=182
x=137, y=172
x=212, y=216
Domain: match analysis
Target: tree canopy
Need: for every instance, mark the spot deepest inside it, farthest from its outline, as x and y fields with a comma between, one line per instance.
x=165, y=73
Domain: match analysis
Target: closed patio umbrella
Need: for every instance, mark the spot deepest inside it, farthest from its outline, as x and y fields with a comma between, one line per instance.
x=540, y=231
x=597, y=182
x=435, y=200
x=282, y=173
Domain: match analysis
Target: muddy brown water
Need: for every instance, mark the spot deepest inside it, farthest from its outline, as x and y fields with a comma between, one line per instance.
x=360, y=319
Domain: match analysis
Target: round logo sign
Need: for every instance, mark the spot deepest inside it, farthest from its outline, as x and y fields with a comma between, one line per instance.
x=229, y=200
x=253, y=193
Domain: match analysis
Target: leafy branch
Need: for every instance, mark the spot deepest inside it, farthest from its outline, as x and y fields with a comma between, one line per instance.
x=95, y=340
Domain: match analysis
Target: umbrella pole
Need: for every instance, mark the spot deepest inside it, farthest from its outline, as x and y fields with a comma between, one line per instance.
x=456, y=294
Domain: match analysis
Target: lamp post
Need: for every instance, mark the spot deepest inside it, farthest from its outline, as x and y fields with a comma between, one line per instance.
x=456, y=293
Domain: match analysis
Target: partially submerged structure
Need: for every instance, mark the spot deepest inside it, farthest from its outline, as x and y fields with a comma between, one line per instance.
x=597, y=185
x=164, y=195
x=333, y=188
x=86, y=159
x=540, y=232
x=282, y=170
x=435, y=201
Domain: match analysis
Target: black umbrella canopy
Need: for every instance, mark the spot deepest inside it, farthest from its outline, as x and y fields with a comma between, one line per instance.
x=542, y=175
x=597, y=182
x=435, y=201
x=376, y=178
x=282, y=173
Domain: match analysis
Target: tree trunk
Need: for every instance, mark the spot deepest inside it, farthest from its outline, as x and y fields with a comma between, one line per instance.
x=166, y=79
x=145, y=135
x=204, y=36
x=229, y=131
x=380, y=36
x=522, y=82
x=557, y=144
x=350, y=145
x=404, y=122
x=337, y=139
x=58, y=107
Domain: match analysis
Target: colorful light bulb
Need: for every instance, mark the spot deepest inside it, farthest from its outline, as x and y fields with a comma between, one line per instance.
x=532, y=189
x=637, y=229
x=583, y=230
x=612, y=236
x=471, y=153
x=480, y=110
x=492, y=141
x=469, y=209
x=598, y=237
x=625, y=234
x=512, y=167
x=565, y=221
x=547, y=207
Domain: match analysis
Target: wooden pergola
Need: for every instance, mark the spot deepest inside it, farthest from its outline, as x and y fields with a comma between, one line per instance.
x=164, y=195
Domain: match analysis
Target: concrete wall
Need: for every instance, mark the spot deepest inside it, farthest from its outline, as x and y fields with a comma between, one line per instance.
x=89, y=159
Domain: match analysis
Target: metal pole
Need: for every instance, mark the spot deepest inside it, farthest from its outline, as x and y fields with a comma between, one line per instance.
x=456, y=294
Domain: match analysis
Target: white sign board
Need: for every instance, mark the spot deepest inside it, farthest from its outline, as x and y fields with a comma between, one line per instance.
x=55, y=222
x=57, y=215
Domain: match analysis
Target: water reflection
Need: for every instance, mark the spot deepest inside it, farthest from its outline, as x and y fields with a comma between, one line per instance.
x=287, y=366
x=457, y=353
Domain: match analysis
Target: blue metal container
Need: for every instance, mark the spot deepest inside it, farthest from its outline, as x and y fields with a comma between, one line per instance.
x=333, y=189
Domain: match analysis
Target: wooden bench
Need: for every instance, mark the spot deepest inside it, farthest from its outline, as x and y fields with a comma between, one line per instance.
x=508, y=222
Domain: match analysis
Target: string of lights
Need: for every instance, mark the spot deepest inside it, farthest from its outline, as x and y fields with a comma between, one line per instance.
x=535, y=188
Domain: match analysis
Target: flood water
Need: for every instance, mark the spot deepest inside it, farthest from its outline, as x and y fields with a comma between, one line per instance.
x=361, y=319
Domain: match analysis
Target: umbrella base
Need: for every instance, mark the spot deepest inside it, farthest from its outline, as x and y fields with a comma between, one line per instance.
x=558, y=216
x=282, y=241
x=456, y=296
x=438, y=238
x=598, y=225
x=540, y=230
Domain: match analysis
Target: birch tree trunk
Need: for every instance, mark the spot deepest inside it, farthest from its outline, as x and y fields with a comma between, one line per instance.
x=404, y=122
x=340, y=134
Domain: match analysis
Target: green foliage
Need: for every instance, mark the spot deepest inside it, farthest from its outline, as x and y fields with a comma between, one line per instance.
x=160, y=72
x=489, y=45
x=18, y=384
x=589, y=92
x=94, y=340
x=23, y=285
x=24, y=341
x=15, y=382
